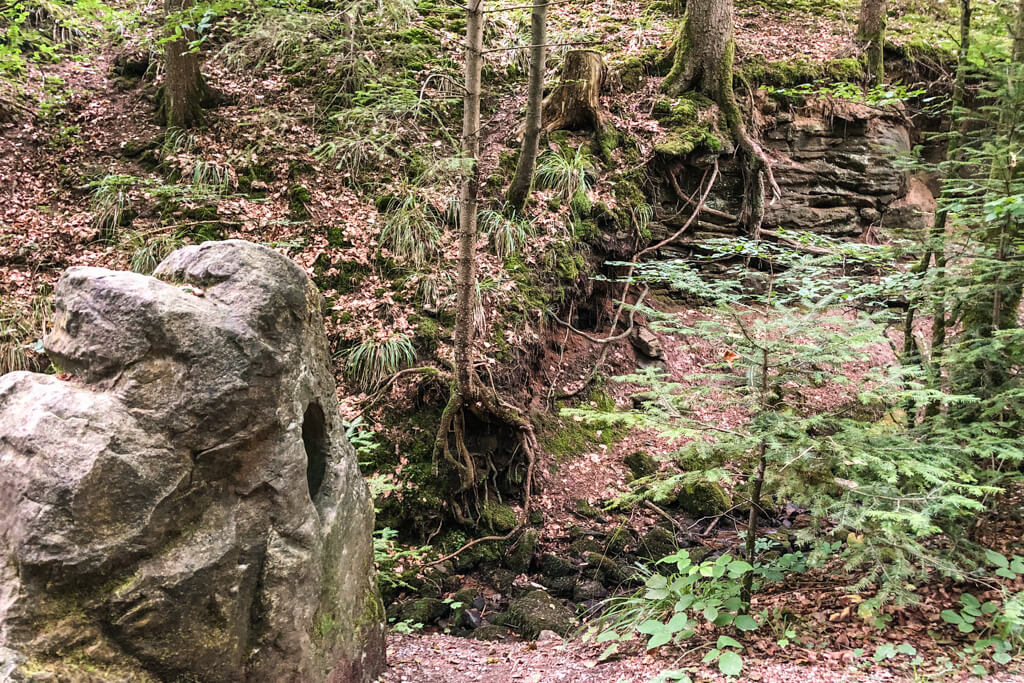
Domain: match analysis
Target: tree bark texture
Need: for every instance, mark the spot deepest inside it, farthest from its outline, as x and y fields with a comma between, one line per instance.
x=465, y=286
x=522, y=182
x=183, y=90
x=871, y=30
x=575, y=103
x=703, y=50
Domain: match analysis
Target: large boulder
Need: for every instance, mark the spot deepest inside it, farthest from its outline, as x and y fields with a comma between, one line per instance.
x=184, y=505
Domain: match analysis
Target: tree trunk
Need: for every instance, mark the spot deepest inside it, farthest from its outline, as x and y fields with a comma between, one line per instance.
x=871, y=30
x=522, y=182
x=465, y=286
x=703, y=61
x=703, y=50
x=575, y=103
x=183, y=91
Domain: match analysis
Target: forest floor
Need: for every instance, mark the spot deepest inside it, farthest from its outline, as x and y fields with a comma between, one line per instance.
x=85, y=120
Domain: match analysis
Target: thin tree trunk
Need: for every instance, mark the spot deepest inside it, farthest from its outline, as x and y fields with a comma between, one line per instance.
x=935, y=246
x=465, y=286
x=871, y=30
x=183, y=90
x=522, y=182
x=756, y=484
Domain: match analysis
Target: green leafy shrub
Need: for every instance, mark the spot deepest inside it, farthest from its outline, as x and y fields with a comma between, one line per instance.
x=670, y=609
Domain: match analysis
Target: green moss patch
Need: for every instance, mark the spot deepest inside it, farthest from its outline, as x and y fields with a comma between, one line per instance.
x=693, y=125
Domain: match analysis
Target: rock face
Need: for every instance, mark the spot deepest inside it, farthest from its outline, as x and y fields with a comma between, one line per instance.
x=186, y=505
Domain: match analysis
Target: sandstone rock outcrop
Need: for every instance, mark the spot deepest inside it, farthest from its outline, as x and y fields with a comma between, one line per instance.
x=185, y=506
x=835, y=162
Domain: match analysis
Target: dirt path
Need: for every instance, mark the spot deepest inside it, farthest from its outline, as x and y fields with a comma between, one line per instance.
x=446, y=659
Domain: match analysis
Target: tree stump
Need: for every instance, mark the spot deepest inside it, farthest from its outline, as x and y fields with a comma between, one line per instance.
x=575, y=104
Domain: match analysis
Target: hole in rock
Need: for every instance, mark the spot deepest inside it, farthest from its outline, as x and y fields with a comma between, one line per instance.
x=314, y=440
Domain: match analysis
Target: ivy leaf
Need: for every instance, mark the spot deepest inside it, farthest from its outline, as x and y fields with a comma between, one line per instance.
x=659, y=639
x=997, y=559
x=745, y=622
x=726, y=641
x=951, y=617
x=650, y=627
x=730, y=663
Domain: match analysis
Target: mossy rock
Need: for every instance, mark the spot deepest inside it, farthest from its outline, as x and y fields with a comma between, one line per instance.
x=502, y=580
x=609, y=572
x=587, y=591
x=581, y=546
x=631, y=74
x=424, y=610
x=585, y=509
x=641, y=464
x=498, y=517
x=560, y=586
x=538, y=611
x=520, y=556
x=487, y=553
x=657, y=543
x=703, y=499
x=552, y=566
x=616, y=542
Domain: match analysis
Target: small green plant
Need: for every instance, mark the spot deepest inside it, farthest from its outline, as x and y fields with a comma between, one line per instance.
x=149, y=248
x=406, y=626
x=111, y=202
x=411, y=232
x=877, y=96
x=21, y=334
x=372, y=361
x=508, y=234
x=568, y=173
x=670, y=609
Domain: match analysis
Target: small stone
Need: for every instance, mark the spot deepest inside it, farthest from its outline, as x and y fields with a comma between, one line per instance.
x=548, y=638
x=537, y=611
x=646, y=342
